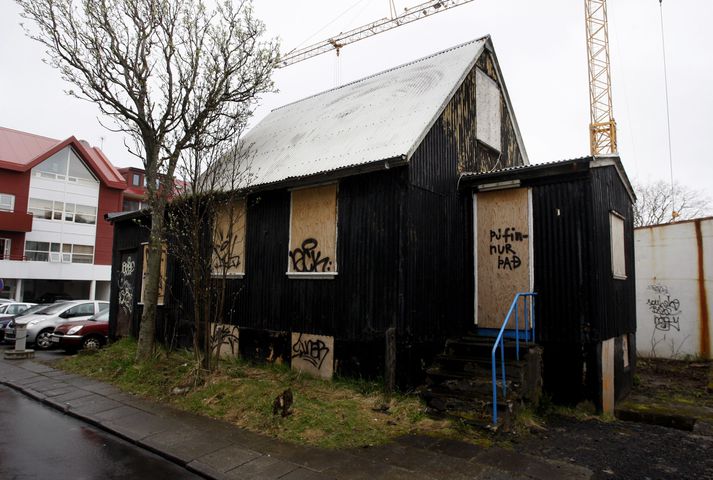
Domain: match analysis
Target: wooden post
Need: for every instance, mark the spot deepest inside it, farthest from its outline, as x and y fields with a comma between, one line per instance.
x=390, y=362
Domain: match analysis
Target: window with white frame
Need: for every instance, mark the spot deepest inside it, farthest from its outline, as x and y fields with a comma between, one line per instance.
x=618, y=257
x=7, y=202
x=65, y=165
x=55, y=252
x=5, y=244
x=136, y=180
x=313, y=232
x=69, y=212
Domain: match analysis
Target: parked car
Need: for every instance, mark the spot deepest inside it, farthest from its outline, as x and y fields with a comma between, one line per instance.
x=41, y=324
x=5, y=300
x=5, y=321
x=89, y=334
x=54, y=298
x=11, y=309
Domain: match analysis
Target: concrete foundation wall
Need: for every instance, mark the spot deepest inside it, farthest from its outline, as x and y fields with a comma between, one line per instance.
x=674, y=283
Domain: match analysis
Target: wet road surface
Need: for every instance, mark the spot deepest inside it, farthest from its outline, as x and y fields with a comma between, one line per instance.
x=37, y=442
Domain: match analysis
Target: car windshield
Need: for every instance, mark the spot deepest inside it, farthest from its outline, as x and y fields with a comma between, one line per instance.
x=34, y=310
x=54, y=309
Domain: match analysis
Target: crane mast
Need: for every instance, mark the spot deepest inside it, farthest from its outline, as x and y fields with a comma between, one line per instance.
x=409, y=15
x=602, y=127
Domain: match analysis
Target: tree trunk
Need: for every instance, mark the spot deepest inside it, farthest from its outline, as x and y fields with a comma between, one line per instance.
x=147, y=331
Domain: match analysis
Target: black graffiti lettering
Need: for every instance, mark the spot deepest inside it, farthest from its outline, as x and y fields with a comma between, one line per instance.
x=509, y=263
x=667, y=311
x=312, y=351
x=308, y=259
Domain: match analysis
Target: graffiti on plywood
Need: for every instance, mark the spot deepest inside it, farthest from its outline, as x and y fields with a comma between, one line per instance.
x=224, y=340
x=126, y=288
x=308, y=258
x=313, y=354
x=501, y=246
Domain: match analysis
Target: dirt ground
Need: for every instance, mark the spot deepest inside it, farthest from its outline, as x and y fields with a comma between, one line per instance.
x=625, y=450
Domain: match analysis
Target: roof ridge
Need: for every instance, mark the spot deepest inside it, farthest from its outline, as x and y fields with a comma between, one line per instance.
x=29, y=134
x=484, y=37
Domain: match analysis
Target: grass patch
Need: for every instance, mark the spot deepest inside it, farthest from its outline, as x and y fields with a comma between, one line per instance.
x=329, y=414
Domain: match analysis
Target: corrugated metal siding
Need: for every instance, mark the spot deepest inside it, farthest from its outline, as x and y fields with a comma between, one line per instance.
x=362, y=300
x=614, y=301
x=438, y=260
x=562, y=259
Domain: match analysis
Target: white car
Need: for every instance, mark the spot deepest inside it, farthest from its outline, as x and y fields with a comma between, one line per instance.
x=41, y=324
x=11, y=309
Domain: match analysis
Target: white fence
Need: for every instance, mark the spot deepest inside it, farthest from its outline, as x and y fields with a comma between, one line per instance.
x=674, y=294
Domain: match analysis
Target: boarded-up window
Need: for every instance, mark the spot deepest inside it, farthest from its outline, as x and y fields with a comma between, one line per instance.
x=487, y=108
x=145, y=274
x=618, y=259
x=229, y=240
x=313, y=230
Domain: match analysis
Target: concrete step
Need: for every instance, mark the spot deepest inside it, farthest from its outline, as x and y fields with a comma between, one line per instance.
x=481, y=347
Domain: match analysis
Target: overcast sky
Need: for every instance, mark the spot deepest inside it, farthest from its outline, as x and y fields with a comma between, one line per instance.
x=542, y=52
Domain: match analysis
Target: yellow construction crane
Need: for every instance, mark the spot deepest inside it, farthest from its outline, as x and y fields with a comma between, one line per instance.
x=602, y=127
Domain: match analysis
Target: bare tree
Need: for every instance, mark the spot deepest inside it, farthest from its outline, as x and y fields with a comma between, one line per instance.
x=206, y=228
x=656, y=203
x=173, y=75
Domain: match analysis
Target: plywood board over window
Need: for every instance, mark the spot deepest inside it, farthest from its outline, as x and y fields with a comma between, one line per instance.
x=618, y=258
x=229, y=240
x=313, y=232
x=145, y=274
x=488, y=110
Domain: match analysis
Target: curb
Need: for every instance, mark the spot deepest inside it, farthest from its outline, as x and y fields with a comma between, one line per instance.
x=670, y=420
x=205, y=472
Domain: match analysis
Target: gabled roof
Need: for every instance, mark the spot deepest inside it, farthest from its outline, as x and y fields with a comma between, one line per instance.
x=380, y=118
x=21, y=151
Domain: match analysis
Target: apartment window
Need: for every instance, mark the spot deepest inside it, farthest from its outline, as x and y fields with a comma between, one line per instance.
x=313, y=233
x=7, y=202
x=5, y=248
x=77, y=253
x=229, y=240
x=136, y=180
x=618, y=257
x=54, y=252
x=69, y=212
x=131, y=205
x=64, y=165
x=37, y=251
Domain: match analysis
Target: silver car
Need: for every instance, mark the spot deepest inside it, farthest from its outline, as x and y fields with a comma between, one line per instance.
x=10, y=309
x=41, y=324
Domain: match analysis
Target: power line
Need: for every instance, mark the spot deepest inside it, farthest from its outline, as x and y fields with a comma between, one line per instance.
x=674, y=213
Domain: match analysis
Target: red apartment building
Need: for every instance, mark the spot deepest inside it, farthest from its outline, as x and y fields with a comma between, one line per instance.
x=53, y=198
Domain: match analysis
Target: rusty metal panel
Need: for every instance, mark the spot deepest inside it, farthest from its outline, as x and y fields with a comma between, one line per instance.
x=674, y=278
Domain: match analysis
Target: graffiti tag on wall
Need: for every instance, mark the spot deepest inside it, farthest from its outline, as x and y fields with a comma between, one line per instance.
x=501, y=246
x=666, y=310
x=313, y=351
x=307, y=258
x=126, y=288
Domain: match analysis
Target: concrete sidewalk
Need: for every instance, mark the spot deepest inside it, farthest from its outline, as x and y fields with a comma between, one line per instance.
x=218, y=450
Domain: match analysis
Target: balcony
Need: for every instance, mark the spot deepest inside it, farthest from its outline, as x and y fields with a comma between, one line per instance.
x=15, y=221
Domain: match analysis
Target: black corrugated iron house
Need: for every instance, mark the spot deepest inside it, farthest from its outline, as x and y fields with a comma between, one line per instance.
x=366, y=210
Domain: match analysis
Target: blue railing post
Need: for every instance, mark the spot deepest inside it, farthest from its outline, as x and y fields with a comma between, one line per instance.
x=500, y=341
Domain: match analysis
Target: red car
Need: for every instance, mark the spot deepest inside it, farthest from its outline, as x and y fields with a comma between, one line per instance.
x=89, y=334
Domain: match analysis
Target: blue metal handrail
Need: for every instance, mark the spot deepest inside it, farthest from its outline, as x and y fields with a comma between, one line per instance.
x=529, y=313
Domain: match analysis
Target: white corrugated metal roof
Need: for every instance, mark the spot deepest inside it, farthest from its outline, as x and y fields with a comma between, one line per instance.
x=380, y=117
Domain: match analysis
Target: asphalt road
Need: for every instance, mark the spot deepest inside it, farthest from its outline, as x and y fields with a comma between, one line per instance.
x=40, y=443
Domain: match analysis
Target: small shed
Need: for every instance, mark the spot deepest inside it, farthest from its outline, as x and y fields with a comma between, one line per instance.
x=565, y=231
